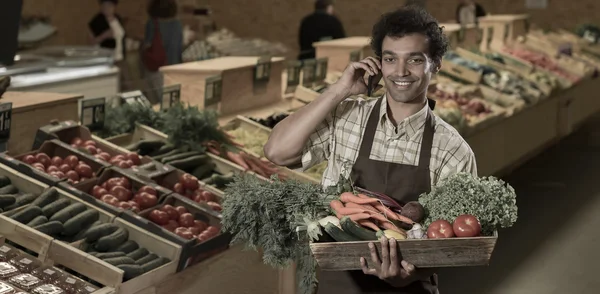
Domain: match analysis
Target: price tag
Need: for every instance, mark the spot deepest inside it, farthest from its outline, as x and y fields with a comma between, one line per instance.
x=321, y=69
x=309, y=69
x=135, y=97
x=212, y=91
x=171, y=96
x=5, y=124
x=355, y=56
x=262, y=70
x=92, y=113
x=293, y=73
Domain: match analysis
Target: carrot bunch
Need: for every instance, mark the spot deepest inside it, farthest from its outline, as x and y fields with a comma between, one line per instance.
x=248, y=162
x=368, y=212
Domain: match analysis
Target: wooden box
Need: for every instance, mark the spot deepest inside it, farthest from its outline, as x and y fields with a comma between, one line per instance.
x=239, y=89
x=465, y=36
x=343, y=51
x=423, y=253
x=507, y=27
x=32, y=110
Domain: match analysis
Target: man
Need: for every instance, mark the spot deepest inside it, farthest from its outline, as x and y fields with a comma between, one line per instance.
x=468, y=12
x=393, y=145
x=318, y=26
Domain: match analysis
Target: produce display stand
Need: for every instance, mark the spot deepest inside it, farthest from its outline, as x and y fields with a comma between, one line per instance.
x=465, y=36
x=342, y=51
x=506, y=27
x=245, y=82
x=30, y=110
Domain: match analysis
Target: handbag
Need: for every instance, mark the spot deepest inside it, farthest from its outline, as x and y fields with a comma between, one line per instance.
x=155, y=56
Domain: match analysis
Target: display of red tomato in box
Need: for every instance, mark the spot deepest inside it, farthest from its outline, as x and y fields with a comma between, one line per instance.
x=189, y=187
x=180, y=221
x=124, y=161
x=70, y=167
x=118, y=192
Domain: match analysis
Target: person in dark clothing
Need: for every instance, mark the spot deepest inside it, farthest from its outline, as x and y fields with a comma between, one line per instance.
x=468, y=12
x=319, y=26
x=107, y=29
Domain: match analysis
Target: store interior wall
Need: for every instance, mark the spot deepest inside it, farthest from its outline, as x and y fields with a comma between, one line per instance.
x=278, y=20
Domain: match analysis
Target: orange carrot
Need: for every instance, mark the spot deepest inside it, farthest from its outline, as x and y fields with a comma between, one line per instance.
x=392, y=215
x=359, y=216
x=338, y=207
x=378, y=216
x=237, y=159
x=390, y=226
x=363, y=206
x=369, y=224
x=213, y=150
x=349, y=197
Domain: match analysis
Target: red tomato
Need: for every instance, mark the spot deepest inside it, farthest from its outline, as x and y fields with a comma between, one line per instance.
x=213, y=229
x=199, y=199
x=125, y=205
x=105, y=156
x=60, y=175
x=89, y=143
x=171, y=225
x=115, y=161
x=134, y=158
x=147, y=200
x=72, y=175
x=179, y=189
x=95, y=190
x=84, y=170
x=186, y=220
x=148, y=190
x=440, y=229
x=64, y=168
x=137, y=197
x=76, y=141
x=134, y=205
x=208, y=196
x=181, y=210
x=125, y=182
x=71, y=160
x=184, y=233
x=171, y=211
x=196, y=231
x=110, y=199
x=29, y=159
x=159, y=217
x=466, y=225
x=39, y=166
x=112, y=182
x=130, y=162
x=204, y=236
x=120, y=157
x=123, y=164
x=200, y=225
x=189, y=182
x=56, y=160
x=121, y=193
x=215, y=206
x=91, y=149
x=43, y=158
x=52, y=169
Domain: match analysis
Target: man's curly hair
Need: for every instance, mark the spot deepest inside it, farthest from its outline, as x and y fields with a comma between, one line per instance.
x=408, y=20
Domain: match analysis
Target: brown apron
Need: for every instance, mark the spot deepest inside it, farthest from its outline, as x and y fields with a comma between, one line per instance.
x=402, y=182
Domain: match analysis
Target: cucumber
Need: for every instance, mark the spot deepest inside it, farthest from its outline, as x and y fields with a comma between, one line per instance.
x=52, y=208
x=97, y=232
x=339, y=235
x=170, y=153
x=81, y=234
x=112, y=241
x=47, y=197
x=148, y=258
x=146, y=145
x=204, y=170
x=138, y=253
x=166, y=149
x=87, y=247
x=350, y=227
x=39, y=220
x=21, y=200
x=28, y=214
x=221, y=181
x=80, y=221
x=128, y=247
x=119, y=260
x=7, y=200
x=154, y=264
x=179, y=156
x=109, y=254
x=9, y=189
x=50, y=228
x=4, y=181
x=68, y=212
x=130, y=271
x=189, y=163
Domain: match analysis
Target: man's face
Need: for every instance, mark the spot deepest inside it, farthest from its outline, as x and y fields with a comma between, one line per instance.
x=107, y=8
x=330, y=9
x=406, y=67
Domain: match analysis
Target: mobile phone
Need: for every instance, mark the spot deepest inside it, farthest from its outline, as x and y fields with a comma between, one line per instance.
x=373, y=81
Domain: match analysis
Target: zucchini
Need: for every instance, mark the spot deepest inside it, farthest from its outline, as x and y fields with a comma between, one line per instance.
x=179, y=156
x=4, y=181
x=350, y=227
x=128, y=247
x=52, y=208
x=28, y=214
x=119, y=260
x=21, y=200
x=97, y=232
x=80, y=221
x=112, y=241
x=130, y=271
x=7, y=200
x=51, y=228
x=205, y=170
x=154, y=264
x=9, y=189
x=138, y=253
x=109, y=254
x=68, y=212
x=148, y=258
x=39, y=220
x=339, y=235
x=47, y=197
x=189, y=163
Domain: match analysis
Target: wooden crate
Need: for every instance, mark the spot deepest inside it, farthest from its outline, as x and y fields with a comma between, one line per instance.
x=507, y=27
x=341, y=51
x=285, y=105
x=466, y=36
x=32, y=110
x=239, y=92
x=423, y=253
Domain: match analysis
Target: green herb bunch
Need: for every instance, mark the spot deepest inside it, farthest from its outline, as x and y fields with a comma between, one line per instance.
x=121, y=119
x=269, y=215
x=491, y=200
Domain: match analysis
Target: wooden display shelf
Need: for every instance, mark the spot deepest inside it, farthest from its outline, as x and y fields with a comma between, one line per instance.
x=238, y=90
x=286, y=105
x=466, y=36
x=32, y=110
x=342, y=51
x=507, y=27
x=578, y=104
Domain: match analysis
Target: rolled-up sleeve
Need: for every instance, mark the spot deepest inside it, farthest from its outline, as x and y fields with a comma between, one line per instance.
x=317, y=149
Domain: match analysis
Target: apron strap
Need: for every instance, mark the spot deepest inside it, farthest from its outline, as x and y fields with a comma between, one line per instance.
x=367, y=142
x=427, y=142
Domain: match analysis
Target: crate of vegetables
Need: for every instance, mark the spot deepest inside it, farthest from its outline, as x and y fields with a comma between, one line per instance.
x=180, y=221
x=188, y=186
x=55, y=162
x=116, y=192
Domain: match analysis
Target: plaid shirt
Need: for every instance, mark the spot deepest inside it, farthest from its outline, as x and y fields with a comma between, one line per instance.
x=450, y=153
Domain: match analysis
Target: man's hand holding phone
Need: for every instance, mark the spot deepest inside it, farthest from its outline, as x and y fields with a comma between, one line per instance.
x=359, y=76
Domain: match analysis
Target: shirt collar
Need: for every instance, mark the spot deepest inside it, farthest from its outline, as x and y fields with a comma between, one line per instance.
x=409, y=125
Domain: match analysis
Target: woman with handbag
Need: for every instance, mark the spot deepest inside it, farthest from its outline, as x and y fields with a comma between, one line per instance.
x=163, y=43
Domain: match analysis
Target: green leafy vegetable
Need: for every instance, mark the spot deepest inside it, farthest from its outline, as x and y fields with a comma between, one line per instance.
x=491, y=200
x=121, y=119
